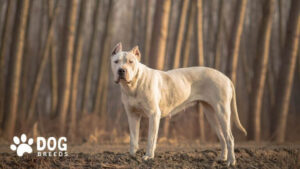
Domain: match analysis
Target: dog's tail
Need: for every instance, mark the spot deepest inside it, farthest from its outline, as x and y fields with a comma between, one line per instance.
x=235, y=112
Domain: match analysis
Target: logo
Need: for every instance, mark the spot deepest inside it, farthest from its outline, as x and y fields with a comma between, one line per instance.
x=51, y=145
x=23, y=147
x=44, y=147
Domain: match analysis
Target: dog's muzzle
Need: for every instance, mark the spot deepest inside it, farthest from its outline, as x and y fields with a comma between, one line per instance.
x=121, y=75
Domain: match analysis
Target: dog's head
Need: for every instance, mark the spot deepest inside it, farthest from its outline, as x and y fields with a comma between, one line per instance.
x=124, y=64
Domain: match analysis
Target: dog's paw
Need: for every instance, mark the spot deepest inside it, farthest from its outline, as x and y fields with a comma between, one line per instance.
x=231, y=162
x=145, y=157
x=132, y=152
x=133, y=155
x=221, y=158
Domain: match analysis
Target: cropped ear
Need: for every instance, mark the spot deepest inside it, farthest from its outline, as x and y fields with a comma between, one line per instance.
x=117, y=49
x=135, y=50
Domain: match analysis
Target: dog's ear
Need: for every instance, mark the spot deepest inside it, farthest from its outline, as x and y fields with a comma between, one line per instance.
x=135, y=50
x=117, y=49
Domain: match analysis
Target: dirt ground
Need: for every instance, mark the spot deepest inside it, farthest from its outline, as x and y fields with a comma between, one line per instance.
x=167, y=156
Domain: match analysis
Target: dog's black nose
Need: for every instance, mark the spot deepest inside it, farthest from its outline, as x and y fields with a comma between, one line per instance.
x=121, y=72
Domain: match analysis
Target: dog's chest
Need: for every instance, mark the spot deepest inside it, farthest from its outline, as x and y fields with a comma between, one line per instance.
x=135, y=104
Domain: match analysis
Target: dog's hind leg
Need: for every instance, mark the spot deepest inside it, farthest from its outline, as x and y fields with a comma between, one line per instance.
x=214, y=123
x=223, y=114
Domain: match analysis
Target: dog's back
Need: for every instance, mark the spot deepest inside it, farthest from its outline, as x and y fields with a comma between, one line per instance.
x=181, y=87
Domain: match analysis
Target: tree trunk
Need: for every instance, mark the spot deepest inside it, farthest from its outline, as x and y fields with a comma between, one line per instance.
x=41, y=69
x=25, y=75
x=101, y=95
x=76, y=71
x=180, y=34
x=72, y=6
x=286, y=73
x=189, y=33
x=3, y=50
x=236, y=34
x=280, y=24
x=159, y=34
x=54, y=81
x=260, y=71
x=217, y=44
x=159, y=41
x=53, y=50
x=134, y=25
x=246, y=69
x=200, y=63
x=16, y=63
x=91, y=53
x=148, y=32
x=200, y=33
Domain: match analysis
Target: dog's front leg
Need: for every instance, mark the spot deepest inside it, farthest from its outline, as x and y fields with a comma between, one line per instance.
x=154, y=120
x=134, y=128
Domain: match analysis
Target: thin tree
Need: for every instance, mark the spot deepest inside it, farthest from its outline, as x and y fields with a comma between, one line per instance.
x=200, y=63
x=286, y=73
x=260, y=70
x=76, y=71
x=180, y=34
x=280, y=24
x=54, y=81
x=134, y=26
x=189, y=33
x=52, y=12
x=148, y=32
x=3, y=50
x=42, y=67
x=159, y=34
x=101, y=95
x=159, y=40
x=25, y=74
x=72, y=7
x=16, y=64
x=234, y=43
x=91, y=53
x=177, y=51
x=217, y=44
x=200, y=33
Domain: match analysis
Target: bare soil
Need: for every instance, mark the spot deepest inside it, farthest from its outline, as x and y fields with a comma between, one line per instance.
x=167, y=156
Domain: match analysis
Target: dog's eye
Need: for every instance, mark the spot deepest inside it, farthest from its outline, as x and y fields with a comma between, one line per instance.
x=116, y=61
x=130, y=61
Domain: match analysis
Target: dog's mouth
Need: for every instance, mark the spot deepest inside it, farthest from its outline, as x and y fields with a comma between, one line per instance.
x=120, y=78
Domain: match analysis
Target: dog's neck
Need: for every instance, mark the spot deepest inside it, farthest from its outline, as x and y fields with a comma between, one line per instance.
x=131, y=87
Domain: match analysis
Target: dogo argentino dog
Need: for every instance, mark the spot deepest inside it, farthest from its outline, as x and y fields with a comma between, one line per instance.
x=156, y=94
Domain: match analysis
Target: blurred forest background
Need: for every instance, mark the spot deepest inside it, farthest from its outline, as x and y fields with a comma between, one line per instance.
x=55, y=76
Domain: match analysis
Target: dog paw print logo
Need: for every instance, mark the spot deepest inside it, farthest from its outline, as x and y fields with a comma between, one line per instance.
x=22, y=146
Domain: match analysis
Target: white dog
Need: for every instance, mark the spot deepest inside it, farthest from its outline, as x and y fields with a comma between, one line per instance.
x=156, y=94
